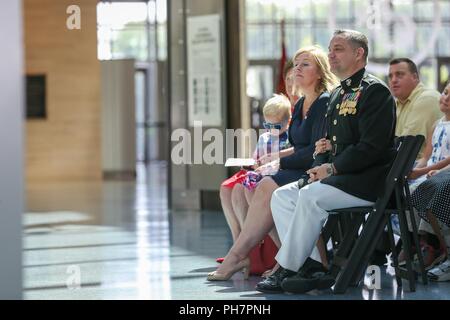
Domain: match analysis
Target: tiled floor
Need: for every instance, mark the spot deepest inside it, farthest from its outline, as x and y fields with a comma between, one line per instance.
x=117, y=240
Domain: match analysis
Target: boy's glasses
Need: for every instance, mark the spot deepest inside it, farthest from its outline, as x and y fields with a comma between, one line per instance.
x=270, y=126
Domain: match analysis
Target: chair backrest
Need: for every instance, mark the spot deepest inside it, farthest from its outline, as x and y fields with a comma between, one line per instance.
x=416, y=142
x=417, y=145
x=407, y=149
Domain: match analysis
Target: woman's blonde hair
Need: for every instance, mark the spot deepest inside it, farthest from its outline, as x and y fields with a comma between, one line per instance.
x=278, y=106
x=328, y=81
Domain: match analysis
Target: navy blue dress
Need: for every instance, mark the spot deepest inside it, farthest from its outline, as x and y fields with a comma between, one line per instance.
x=303, y=134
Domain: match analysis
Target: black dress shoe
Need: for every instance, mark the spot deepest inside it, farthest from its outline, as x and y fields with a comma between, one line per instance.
x=272, y=284
x=312, y=275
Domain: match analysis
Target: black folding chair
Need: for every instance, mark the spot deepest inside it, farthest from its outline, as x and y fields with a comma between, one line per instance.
x=354, y=248
x=403, y=200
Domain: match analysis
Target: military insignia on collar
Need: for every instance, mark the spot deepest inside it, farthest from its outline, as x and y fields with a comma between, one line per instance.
x=348, y=82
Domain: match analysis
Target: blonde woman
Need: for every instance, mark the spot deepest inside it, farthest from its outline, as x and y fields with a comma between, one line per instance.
x=314, y=80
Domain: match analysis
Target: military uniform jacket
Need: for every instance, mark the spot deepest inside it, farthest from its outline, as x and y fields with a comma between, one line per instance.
x=360, y=122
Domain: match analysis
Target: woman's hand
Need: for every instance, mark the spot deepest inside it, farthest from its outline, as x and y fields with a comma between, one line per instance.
x=322, y=146
x=417, y=172
x=267, y=158
x=268, y=167
x=432, y=173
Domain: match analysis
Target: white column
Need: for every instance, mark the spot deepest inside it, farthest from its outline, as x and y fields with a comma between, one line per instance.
x=11, y=148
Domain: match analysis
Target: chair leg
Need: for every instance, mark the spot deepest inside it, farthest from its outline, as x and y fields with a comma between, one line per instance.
x=359, y=275
x=406, y=241
x=358, y=254
x=360, y=270
x=346, y=244
x=398, y=279
x=329, y=227
x=415, y=235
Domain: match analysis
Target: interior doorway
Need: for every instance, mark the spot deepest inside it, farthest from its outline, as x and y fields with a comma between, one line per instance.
x=138, y=30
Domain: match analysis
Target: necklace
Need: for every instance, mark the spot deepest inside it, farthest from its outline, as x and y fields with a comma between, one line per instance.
x=306, y=109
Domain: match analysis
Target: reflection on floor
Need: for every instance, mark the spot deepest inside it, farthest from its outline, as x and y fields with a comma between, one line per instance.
x=117, y=240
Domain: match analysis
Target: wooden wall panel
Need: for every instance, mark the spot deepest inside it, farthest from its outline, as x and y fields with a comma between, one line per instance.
x=66, y=145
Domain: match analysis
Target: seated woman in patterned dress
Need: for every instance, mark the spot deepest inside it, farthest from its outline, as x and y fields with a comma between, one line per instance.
x=432, y=197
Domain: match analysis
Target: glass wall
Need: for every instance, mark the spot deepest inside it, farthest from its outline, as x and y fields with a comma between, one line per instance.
x=132, y=30
x=418, y=29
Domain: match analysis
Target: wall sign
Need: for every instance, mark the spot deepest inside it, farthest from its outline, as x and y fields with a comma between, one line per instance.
x=204, y=70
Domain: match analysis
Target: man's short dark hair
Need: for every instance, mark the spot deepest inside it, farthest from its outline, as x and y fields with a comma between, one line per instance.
x=411, y=65
x=356, y=38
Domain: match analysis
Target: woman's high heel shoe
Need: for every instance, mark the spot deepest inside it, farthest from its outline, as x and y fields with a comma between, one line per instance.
x=242, y=265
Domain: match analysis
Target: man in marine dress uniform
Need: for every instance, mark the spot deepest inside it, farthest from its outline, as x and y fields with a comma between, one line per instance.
x=351, y=169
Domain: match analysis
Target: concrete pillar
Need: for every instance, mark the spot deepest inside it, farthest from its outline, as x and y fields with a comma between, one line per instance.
x=11, y=149
x=196, y=186
x=238, y=109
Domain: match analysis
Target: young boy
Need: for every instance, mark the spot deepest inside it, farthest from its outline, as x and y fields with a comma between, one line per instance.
x=277, y=113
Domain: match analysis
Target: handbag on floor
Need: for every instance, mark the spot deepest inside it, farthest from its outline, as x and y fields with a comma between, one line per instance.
x=262, y=256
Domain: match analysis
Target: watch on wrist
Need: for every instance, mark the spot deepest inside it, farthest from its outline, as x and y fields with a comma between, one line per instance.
x=330, y=170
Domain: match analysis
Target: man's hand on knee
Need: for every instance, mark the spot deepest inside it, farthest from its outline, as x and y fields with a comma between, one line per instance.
x=319, y=173
x=313, y=174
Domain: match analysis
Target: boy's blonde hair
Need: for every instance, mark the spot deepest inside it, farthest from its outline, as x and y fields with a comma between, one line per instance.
x=278, y=106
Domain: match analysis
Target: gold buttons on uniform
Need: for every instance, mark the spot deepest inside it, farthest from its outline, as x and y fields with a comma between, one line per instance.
x=335, y=122
x=334, y=138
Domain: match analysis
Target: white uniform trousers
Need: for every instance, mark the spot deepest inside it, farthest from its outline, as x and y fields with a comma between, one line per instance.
x=299, y=216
